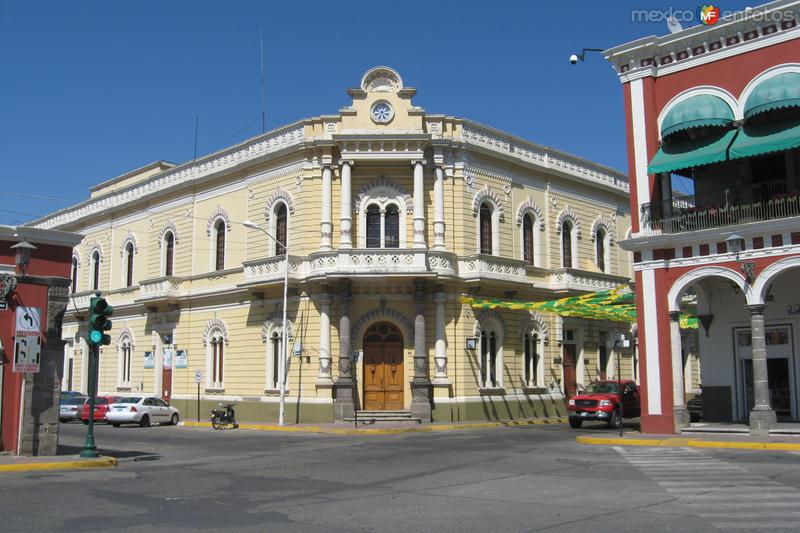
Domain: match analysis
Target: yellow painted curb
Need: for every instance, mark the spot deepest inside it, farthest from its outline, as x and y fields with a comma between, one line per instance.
x=690, y=443
x=78, y=464
x=388, y=431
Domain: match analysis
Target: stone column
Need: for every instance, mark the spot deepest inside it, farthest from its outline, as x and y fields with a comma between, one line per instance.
x=343, y=406
x=420, y=384
x=326, y=225
x=762, y=417
x=438, y=209
x=325, y=299
x=346, y=215
x=419, y=204
x=679, y=413
x=440, y=356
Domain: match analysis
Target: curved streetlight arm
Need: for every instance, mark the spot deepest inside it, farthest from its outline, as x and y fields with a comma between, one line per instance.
x=283, y=366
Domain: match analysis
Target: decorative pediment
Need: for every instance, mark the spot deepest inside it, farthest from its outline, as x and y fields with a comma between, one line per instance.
x=215, y=325
x=569, y=214
x=607, y=225
x=382, y=312
x=130, y=238
x=94, y=247
x=280, y=195
x=487, y=194
x=168, y=227
x=125, y=335
x=274, y=325
x=529, y=207
x=381, y=80
x=489, y=317
x=219, y=213
x=533, y=322
x=384, y=189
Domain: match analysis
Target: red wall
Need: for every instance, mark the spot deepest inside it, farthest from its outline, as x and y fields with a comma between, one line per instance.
x=46, y=260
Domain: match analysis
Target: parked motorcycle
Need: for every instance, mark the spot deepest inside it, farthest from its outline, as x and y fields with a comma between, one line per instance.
x=225, y=417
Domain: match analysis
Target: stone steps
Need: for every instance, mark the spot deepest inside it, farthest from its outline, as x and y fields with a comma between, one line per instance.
x=384, y=416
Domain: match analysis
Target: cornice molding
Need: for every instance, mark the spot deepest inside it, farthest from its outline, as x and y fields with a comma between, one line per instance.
x=263, y=145
x=736, y=34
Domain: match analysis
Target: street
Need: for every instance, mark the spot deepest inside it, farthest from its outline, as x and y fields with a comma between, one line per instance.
x=509, y=479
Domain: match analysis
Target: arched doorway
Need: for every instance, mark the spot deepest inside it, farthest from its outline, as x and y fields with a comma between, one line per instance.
x=383, y=368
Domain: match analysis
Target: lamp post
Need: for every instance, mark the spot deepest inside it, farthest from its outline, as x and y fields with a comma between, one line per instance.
x=285, y=334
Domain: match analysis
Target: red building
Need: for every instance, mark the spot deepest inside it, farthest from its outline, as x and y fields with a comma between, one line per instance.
x=713, y=130
x=40, y=284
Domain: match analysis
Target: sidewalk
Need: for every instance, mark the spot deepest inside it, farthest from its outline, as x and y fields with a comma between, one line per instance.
x=16, y=463
x=731, y=441
x=384, y=428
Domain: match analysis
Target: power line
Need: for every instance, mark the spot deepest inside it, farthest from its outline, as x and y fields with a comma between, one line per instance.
x=38, y=197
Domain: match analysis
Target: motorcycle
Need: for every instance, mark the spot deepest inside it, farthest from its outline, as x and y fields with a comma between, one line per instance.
x=225, y=417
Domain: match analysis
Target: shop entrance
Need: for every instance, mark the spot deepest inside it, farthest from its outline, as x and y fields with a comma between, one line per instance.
x=780, y=369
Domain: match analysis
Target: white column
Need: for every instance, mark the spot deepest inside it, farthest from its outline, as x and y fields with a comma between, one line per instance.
x=438, y=209
x=326, y=226
x=440, y=355
x=419, y=204
x=346, y=215
x=679, y=413
x=383, y=228
x=325, y=337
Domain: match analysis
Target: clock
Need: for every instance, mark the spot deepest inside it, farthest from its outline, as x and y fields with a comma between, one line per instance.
x=382, y=112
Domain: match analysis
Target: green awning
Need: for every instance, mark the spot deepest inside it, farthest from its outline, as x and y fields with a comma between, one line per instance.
x=689, y=153
x=777, y=92
x=766, y=138
x=697, y=111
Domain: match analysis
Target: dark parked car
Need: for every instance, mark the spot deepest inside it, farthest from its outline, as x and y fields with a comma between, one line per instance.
x=69, y=394
x=601, y=401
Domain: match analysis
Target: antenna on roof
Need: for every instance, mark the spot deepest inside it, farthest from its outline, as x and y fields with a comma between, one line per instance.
x=196, y=125
x=263, y=100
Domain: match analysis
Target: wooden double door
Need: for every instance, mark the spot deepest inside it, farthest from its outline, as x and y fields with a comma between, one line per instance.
x=383, y=368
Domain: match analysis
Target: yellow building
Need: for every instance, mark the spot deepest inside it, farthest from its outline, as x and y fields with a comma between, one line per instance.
x=390, y=214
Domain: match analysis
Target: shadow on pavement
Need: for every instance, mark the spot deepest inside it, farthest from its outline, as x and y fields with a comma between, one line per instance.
x=117, y=454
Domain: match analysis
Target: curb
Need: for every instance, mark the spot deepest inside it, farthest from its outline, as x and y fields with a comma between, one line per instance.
x=690, y=443
x=78, y=464
x=389, y=431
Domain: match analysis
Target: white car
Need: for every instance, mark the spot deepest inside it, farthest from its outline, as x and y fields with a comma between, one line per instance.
x=142, y=410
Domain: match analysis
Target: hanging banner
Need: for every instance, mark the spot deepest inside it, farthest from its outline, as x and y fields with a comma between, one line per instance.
x=181, y=359
x=149, y=360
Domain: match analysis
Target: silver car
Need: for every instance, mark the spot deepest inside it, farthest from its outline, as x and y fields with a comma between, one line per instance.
x=71, y=409
x=142, y=410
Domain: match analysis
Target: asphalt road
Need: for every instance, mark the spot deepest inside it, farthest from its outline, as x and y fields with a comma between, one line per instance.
x=507, y=479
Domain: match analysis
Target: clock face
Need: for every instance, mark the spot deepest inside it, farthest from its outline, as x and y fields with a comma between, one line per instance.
x=382, y=112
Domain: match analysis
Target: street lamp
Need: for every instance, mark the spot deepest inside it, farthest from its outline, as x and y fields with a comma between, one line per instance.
x=22, y=254
x=285, y=335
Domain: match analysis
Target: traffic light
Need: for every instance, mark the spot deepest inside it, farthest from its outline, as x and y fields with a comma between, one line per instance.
x=99, y=311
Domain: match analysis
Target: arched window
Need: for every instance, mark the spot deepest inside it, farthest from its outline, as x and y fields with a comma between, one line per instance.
x=169, y=253
x=532, y=358
x=273, y=361
x=219, y=245
x=527, y=239
x=129, y=264
x=489, y=360
x=373, y=226
x=600, y=246
x=281, y=223
x=566, y=244
x=392, y=227
x=74, y=274
x=124, y=379
x=216, y=359
x=485, y=229
x=95, y=270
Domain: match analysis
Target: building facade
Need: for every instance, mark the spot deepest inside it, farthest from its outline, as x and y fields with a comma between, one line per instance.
x=389, y=215
x=713, y=125
x=35, y=287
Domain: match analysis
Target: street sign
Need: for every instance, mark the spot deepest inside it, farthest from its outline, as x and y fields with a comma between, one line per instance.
x=27, y=353
x=198, y=375
x=3, y=305
x=28, y=321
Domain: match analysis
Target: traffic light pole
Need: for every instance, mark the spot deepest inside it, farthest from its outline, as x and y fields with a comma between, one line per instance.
x=89, y=449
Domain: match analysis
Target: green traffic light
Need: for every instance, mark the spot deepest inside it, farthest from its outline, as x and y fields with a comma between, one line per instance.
x=95, y=336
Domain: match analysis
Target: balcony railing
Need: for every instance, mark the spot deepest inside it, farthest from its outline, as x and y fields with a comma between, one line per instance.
x=736, y=205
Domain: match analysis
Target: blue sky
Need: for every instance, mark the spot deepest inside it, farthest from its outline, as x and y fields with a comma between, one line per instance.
x=92, y=89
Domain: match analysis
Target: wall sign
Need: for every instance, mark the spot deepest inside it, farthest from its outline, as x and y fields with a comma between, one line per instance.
x=27, y=353
x=181, y=359
x=149, y=361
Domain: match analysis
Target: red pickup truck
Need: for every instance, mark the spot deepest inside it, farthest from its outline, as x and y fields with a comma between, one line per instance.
x=601, y=401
